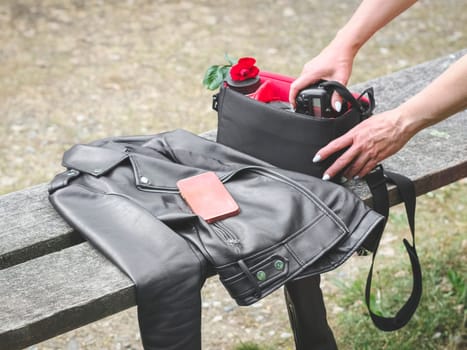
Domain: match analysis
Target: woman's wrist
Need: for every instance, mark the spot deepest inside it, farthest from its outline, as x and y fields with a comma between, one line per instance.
x=409, y=120
x=347, y=44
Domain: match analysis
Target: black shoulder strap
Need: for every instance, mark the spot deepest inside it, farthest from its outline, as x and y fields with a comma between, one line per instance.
x=365, y=109
x=377, y=184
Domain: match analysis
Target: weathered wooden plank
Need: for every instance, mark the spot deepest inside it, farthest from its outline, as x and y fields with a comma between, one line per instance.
x=434, y=158
x=58, y=292
x=30, y=227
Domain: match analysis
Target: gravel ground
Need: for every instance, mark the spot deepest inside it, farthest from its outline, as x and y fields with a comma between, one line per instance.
x=75, y=71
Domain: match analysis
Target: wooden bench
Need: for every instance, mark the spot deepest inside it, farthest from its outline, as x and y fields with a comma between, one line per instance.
x=51, y=281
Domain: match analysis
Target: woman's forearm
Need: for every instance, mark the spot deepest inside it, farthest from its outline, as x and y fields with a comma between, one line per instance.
x=370, y=16
x=444, y=97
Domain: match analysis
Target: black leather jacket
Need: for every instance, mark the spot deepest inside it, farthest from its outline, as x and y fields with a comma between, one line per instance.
x=121, y=194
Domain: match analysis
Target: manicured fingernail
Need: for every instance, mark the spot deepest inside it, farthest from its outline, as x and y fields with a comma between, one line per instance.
x=356, y=177
x=316, y=158
x=326, y=177
x=337, y=106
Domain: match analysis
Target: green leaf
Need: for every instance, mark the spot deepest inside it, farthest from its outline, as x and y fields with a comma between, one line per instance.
x=217, y=80
x=210, y=75
x=229, y=59
x=216, y=74
x=225, y=71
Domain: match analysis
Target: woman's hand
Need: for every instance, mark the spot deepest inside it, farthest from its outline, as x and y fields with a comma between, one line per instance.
x=333, y=63
x=371, y=141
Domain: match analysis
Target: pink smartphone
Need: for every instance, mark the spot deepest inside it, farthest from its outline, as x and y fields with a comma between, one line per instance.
x=207, y=197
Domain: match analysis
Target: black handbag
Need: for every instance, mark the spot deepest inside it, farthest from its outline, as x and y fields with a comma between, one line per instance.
x=282, y=137
x=274, y=133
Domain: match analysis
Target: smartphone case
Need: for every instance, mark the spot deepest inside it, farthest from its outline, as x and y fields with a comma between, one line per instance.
x=207, y=197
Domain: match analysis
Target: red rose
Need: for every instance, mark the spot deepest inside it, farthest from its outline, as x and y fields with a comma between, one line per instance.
x=244, y=69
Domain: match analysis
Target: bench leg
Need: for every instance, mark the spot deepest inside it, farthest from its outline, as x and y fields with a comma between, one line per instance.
x=307, y=314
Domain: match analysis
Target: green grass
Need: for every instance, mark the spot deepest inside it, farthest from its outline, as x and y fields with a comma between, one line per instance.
x=441, y=237
x=252, y=346
x=436, y=321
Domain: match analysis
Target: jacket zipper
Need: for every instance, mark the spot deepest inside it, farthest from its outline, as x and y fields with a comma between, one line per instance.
x=226, y=234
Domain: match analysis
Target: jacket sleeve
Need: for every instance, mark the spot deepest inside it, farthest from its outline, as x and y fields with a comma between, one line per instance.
x=167, y=271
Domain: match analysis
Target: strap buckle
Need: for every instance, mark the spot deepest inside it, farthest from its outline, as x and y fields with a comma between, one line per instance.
x=257, y=293
x=215, y=102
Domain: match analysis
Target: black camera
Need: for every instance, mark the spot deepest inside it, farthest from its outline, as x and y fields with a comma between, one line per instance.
x=315, y=100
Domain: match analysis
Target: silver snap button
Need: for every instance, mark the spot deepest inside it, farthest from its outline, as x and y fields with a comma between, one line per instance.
x=72, y=172
x=144, y=180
